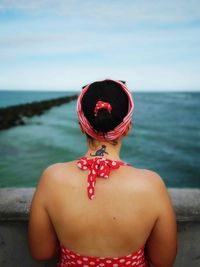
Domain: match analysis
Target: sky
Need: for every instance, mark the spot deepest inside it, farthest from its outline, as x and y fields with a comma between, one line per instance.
x=65, y=44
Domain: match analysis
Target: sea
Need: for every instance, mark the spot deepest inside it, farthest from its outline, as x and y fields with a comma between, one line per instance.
x=165, y=138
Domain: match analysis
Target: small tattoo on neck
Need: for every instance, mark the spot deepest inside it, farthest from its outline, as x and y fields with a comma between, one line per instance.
x=100, y=152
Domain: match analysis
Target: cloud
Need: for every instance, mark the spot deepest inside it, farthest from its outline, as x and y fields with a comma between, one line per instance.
x=151, y=44
x=107, y=43
x=124, y=11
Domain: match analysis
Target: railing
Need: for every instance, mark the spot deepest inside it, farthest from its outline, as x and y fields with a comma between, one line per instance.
x=14, y=209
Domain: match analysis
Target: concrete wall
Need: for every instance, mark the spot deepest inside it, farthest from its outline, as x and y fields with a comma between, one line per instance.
x=14, y=208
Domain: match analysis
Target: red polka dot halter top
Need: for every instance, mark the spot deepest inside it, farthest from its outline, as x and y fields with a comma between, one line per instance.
x=71, y=259
x=98, y=167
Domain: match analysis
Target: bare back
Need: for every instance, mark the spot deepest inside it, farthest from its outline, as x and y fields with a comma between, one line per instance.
x=118, y=221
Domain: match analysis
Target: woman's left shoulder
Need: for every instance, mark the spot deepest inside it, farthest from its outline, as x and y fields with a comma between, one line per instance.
x=53, y=171
x=52, y=179
x=53, y=175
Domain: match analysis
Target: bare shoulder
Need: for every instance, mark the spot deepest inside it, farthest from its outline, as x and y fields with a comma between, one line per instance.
x=55, y=171
x=156, y=188
x=153, y=178
x=148, y=179
x=54, y=176
x=149, y=184
x=56, y=167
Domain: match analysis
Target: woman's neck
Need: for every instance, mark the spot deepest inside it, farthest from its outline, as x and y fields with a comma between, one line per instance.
x=104, y=149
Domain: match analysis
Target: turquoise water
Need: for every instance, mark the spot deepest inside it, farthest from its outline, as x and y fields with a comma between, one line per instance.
x=165, y=138
x=11, y=98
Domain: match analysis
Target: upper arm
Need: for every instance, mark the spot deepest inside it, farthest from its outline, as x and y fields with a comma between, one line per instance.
x=162, y=243
x=41, y=235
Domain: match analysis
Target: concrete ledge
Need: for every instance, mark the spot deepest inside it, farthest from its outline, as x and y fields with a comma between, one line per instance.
x=15, y=204
x=186, y=203
x=14, y=209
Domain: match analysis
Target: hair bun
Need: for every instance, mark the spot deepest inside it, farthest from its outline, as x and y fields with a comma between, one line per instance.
x=102, y=105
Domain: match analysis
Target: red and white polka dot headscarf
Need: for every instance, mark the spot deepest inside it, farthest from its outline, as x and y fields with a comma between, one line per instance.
x=118, y=130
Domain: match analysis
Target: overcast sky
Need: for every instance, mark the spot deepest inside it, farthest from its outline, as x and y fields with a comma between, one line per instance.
x=64, y=44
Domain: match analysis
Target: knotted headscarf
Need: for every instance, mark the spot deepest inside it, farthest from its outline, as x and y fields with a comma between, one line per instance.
x=118, y=130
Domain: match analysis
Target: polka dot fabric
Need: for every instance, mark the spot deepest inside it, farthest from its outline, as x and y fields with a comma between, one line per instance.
x=102, y=105
x=98, y=167
x=69, y=258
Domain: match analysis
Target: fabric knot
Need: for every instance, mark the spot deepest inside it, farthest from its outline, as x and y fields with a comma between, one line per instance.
x=98, y=167
x=101, y=105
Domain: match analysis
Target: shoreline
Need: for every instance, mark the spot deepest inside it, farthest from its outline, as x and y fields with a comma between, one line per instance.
x=15, y=115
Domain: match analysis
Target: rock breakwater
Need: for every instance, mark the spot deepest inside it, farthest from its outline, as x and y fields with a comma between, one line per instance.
x=15, y=115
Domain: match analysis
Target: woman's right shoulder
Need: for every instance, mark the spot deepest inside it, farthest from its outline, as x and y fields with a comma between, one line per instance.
x=149, y=179
x=155, y=189
x=151, y=185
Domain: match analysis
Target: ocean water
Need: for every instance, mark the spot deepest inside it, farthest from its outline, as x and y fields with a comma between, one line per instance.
x=12, y=98
x=165, y=138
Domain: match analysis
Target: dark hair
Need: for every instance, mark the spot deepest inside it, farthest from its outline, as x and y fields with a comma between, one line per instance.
x=107, y=91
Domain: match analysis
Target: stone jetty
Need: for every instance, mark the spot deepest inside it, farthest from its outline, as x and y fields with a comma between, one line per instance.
x=15, y=115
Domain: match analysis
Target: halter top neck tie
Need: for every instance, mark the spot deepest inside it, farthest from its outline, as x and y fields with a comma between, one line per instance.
x=98, y=167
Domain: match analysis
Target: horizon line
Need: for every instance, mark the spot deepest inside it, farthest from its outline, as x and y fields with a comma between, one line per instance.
x=72, y=90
